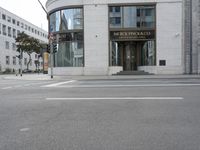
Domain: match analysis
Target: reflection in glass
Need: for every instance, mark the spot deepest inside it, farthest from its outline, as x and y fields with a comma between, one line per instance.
x=70, y=54
x=115, y=17
x=71, y=19
x=145, y=52
x=148, y=17
x=54, y=22
x=132, y=16
x=148, y=54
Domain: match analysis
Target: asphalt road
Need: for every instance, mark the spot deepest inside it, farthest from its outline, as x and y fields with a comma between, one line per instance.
x=142, y=114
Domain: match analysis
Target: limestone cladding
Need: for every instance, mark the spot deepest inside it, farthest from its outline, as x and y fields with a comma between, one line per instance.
x=169, y=34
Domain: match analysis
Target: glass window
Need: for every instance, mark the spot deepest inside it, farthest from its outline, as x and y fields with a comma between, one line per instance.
x=18, y=23
x=9, y=19
x=70, y=54
x=132, y=17
x=70, y=45
x=13, y=46
x=71, y=19
x=4, y=29
x=115, y=17
x=148, y=18
x=55, y=22
x=7, y=60
x=0, y=28
x=148, y=57
x=18, y=32
x=9, y=31
x=7, y=45
x=13, y=21
x=22, y=25
x=3, y=16
x=14, y=60
x=68, y=19
x=14, y=33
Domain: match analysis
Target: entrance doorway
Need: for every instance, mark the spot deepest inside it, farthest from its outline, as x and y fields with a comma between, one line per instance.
x=132, y=54
x=129, y=51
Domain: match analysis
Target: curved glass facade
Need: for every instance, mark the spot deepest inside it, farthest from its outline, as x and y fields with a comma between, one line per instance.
x=67, y=26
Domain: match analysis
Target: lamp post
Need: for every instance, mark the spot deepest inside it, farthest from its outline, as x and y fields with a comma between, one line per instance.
x=20, y=62
x=50, y=41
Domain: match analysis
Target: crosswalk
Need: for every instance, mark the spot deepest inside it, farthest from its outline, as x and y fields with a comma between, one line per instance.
x=13, y=84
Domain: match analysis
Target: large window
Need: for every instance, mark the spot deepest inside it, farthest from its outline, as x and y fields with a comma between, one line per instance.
x=67, y=26
x=132, y=36
x=132, y=16
x=67, y=19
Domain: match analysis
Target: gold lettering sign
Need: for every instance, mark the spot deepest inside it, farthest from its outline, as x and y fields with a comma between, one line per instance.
x=132, y=35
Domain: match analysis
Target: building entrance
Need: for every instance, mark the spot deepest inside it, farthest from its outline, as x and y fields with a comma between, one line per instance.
x=129, y=58
x=129, y=54
x=132, y=54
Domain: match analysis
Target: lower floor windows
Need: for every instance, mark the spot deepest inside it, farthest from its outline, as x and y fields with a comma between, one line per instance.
x=131, y=54
x=69, y=54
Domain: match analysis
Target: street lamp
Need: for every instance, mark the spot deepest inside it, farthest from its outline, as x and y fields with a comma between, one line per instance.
x=50, y=41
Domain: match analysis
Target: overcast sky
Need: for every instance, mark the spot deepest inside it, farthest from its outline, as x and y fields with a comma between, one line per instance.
x=29, y=10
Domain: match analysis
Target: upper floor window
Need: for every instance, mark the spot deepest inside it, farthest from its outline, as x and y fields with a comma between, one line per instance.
x=4, y=29
x=132, y=16
x=7, y=60
x=67, y=19
x=3, y=16
x=18, y=23
x=22, y=25
x=9, y=31
x=13, y=21
x=14, y=33
x=13, y=46
x=9, y=19
x=14, y=60
x=7, y=45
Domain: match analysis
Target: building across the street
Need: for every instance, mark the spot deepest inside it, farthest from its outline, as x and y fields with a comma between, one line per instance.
x=10, y=26
x=103, y=37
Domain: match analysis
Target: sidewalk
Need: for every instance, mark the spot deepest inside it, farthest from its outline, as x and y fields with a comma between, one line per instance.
x=120, y=77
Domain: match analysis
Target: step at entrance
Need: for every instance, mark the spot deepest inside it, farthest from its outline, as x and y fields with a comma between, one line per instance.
x=133, y=73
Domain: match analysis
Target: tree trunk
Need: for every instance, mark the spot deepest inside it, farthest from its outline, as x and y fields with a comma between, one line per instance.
x=29, y=61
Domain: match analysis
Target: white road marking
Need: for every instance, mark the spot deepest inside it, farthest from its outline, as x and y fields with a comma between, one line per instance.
x=125, y=85
x=5, y=88
x=24, y=129
x=58, y=84
x=115, y=98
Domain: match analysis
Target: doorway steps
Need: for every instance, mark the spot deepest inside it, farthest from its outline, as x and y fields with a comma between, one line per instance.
x=133, y=73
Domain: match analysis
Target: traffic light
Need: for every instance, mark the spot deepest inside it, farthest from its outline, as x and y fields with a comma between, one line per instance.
x=48, y=48
x=55, y=49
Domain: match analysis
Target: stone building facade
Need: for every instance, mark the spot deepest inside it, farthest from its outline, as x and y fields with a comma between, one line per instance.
x=192, y=36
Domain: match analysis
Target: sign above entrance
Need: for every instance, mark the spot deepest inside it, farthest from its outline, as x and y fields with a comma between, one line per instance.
x=132, y=35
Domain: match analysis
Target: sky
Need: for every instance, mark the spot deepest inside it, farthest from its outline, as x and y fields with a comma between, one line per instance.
x=29, y=10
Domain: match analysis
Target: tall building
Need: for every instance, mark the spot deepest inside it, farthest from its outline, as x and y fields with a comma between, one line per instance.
x=192, y=36
x=10, y=26
x=103, y=37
